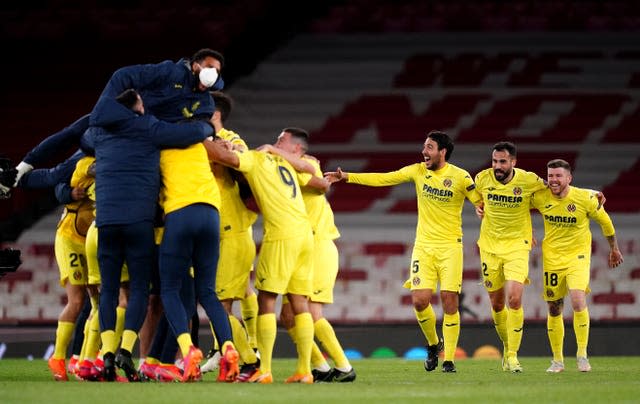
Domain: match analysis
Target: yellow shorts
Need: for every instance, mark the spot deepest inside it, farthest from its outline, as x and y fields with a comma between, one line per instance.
x=325, y=270
x=234, y=266
x=70, y=257
x=91, y=249
x=498, y=268
x=286, y=266
x=557, y=282
x=430, y=265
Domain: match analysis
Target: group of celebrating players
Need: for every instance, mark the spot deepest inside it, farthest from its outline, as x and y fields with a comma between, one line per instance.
x=156, y=220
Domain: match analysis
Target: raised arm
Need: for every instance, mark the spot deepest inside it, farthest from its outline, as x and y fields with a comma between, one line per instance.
x=221, y=153
x=165, y=134
x=48, y=178
x=296, y=162
x=136, y=76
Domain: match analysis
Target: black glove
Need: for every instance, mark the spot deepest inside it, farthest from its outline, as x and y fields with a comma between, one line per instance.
x=8, y=173
x=9, y=261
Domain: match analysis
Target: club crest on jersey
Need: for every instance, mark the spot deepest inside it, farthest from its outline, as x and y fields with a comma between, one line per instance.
x=416, y=281
x=447, y=183
x=488, y=284
x=517, y=191
x=549, y=293
x=571, y=207
x=77, y=275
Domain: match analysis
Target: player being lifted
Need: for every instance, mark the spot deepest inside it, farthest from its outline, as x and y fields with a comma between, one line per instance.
x=441, y=189
x=566, y=254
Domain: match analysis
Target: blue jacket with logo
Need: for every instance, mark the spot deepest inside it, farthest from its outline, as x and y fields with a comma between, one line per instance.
x=169, y=91
x=127, y=149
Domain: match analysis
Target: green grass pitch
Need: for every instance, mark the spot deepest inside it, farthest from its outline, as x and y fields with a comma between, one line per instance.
x=612, y=380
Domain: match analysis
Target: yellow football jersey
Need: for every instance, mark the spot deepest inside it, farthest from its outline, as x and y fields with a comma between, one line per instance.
x=235, y=217
x=318, y=209
x=440, y=197
x=276, y=189
x=506, y=225
x=78, y=215
x=567, y=236
x=186, y=178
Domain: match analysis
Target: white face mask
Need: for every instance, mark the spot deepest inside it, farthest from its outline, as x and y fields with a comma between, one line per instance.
x=208, y=76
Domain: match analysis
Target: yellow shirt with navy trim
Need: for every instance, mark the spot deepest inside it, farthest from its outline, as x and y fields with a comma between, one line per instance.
x=235, y=217
x=78, y=215
x=506, y=225
x=567, y=234
x=276, y=189
x=440, y=196
x=318, y=209
x=186, y=178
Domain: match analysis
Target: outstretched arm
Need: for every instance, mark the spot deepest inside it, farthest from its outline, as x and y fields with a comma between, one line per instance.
x=336, y=176
x=318, y=184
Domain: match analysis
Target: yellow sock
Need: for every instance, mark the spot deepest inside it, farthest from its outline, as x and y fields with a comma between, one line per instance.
x=185, y=342
x=85, y=340
x=129, y=338
x=240, y=341
x=317, y=359
x=450, y=333
x=267, y=329
x=120, y=312
x=108, y=341
x=555, y=331
x=304, y=334
x=581, y=325
x=292, y=334
x=249, y=312
x=92, y=337
x=151, y=361
x=500, y=322
x=326, y=335
x=515, y=325
x=427, y=322
x=63, y=336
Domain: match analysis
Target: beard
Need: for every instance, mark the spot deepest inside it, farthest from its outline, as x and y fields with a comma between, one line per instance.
x=500, y=174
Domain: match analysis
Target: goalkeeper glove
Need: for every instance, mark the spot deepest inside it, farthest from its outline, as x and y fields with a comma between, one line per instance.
x=22, y=168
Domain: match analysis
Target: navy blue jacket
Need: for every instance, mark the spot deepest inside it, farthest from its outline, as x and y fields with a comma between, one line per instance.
x=168, y=89
x=63, y=139
x=127, y=149
x=50, y=177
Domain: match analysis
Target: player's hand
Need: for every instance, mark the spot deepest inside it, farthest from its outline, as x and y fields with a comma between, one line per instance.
x=336, y=176
x=5, y=192
x=22, y=169
x=266, y=148
x=615, y=258
x=312, y=158
x=227, y=145
x=78, y=193
x=480, y=211
x=601, y=199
